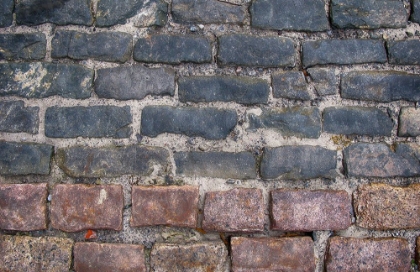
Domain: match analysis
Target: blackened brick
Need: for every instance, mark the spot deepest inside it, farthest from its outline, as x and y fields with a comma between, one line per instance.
x=415, y=9
x=23, y=46
x=324, y=80
x=291, y=85
x=409, y=122
x=404, y=52
x=6, y=12
x=15, y=117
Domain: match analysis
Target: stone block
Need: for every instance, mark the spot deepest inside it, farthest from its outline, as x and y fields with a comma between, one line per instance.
x=291, y=85
x=22, y=46
x=15, y=117
x=6, y=12
x=324, y=80
x=409, y=122
x=415, y=11
x=404, y=52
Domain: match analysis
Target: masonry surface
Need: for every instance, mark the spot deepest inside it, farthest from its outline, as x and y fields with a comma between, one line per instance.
x=209, y=135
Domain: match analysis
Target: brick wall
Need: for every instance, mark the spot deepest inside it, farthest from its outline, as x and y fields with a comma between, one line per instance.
x=207, y=135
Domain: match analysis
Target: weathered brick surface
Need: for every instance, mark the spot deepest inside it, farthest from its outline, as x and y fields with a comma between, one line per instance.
x=199, y=257
x=76, y=207
x=381, y=206
x=354, y=254
x=324, y=80
x=15, y=117
x=226, y=165
x=153, y=13
x=23, y=207
x=164, y=205
x=238, y=209
x=409, y=122
x=350, y=51
x=134, y=82
x=95, y=257
x=209, y=123
x=40, y=80
x=24, y=158
x=288, y=14
x=272, y=254
x=357, y=121
x=173, y=49
x=249, y=50
x=305, y=210
x=6, y=12
x=111, y=161
x=95, y=121
x=244, y=90
x=23, y=253
x=22, y=46
x=297, y=121
x=298, y=162
x=379, y=160
x=103, y=46
x=415, y=11
x=290, y=85
x=404, y=52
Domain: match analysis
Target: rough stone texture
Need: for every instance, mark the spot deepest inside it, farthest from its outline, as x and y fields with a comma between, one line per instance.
x=354, y=254
x=23, y=253
x=401, y=210
x=298, y=162
x=243, y=90
x=15, y=117
x=357, y=121
x=380, y=86
x=153, y=13
x=238, y=49
x=368, y=14
x=415, y=9
x=23, y=207
x=305, y=210
x=239, y=209
x=409, y=122
x=22, y=46
x=380, y=160
x=209, y=123
x=24, y=158
x=291, y=85
x=324, y=80
x=297, y=121
x=95, y=257
x=112, y=161
x=94, y=121
x=197, y=257
x=351, y=51
x=103, y=46
x=6, y=12
x=288, y=14
x=418, y=251
x=40, y=80
x=404, y=52
x=272, y=254
x=134, y=82
x=164, y=205
x=173, y=49
x=61, y=12
x=76, y=207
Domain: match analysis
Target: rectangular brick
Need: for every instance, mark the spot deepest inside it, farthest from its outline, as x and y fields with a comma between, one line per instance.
x=27, y=46
x=415, y=11
x=272, y=254
x=15, y=117
x=381, y=206
x=324, y=80
x=291, y=85
x=76, y=207
x=409, y=122
x=404, y=52
x=164, y=205
x=238, y=209
x=6, y=12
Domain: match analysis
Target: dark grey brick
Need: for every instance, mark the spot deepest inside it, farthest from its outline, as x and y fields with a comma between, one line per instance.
x=173, y=49
x=244, y=90
x=324, y=80
x=379, y=160
x=39, y=80
x=409, y=122
x=299, y=121
x=415, y=11
x=368, y=14
x=112, y=161
x=298, y=162
x=22, y=46
x=299, y=15
x=248, y=50
x=291, y=85
x=209, y=123
x=6, y=12
x=134, y=82
x=207, y=11
x=104, y=46
x=153, y=13
x=404, y=52
x=24, y=158
x=343, y=52
x=94, y=121
x=357, y=121
x=380, y=86
x=59, y=12
x=14, y=117
x=225, y=165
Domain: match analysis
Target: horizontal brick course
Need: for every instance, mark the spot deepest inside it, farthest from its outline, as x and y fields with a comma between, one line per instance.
x=23, y=46
x=15, y=117
x=409, y=122
x=404, y=52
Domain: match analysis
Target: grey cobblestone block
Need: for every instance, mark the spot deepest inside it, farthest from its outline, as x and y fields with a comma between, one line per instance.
x=415, y=11
x=324, y=80
x=404, y=52
x=409, y=122
x=153, y=13
x=22, y=46
x=15, y=117
x=6, y=12
x=291, y=85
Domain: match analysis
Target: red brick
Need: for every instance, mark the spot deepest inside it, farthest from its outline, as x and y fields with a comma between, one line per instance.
x=272, y=254
x=169, y=205
x=23, y=206
x=234, y=210
x=304, y=210
x=92, y=257
x=80, y=207
x=381, y=206
x=355, y=254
